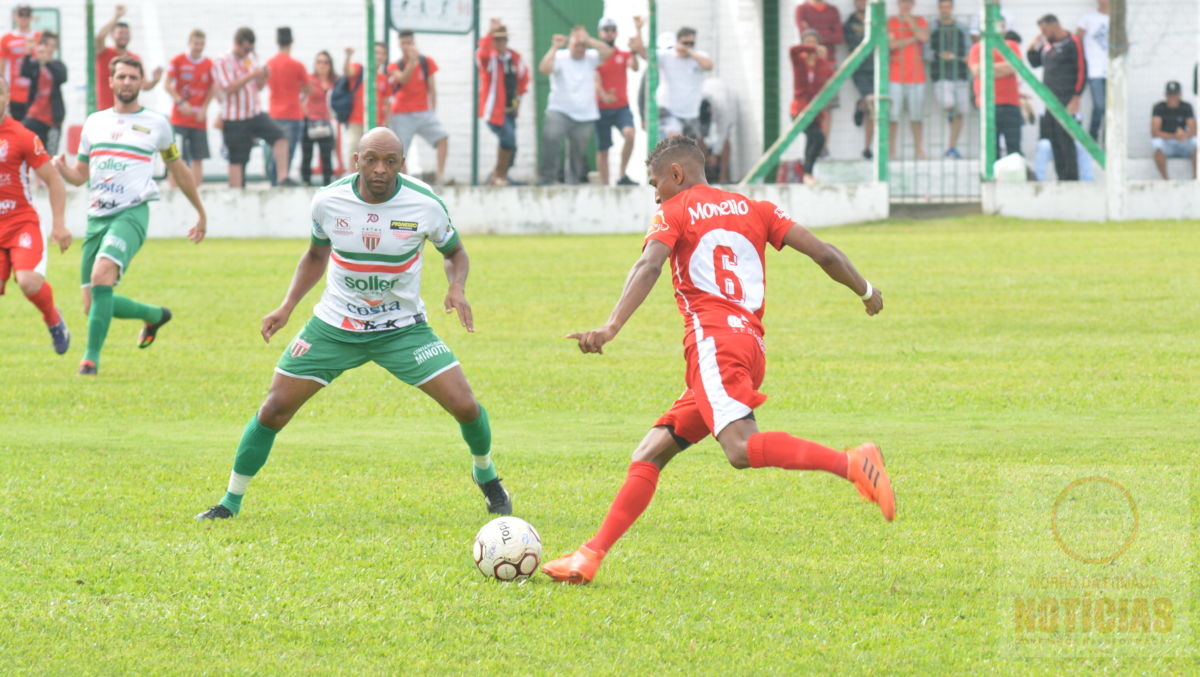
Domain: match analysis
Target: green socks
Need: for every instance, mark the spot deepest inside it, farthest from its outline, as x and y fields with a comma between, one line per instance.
x=99, y=317
x=478, y=436
x=252, y=453
x=105, y=306
x=125, y=308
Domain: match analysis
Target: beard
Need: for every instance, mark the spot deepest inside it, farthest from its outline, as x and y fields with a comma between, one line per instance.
x=126, y=98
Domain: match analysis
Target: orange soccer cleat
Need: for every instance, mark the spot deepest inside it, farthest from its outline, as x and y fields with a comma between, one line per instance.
x=865, y=469
x=577, y=568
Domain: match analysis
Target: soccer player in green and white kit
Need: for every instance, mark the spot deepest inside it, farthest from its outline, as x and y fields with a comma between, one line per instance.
x=116, y=154
x=373, y=225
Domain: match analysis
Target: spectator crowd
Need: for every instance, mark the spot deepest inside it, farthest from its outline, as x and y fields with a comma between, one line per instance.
x=318, y=108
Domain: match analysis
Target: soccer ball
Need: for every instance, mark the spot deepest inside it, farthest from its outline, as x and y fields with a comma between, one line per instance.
x=508, y=549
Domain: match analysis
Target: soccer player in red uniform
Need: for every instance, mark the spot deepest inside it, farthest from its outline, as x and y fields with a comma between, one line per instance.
x=22, y=245
x=715, y=241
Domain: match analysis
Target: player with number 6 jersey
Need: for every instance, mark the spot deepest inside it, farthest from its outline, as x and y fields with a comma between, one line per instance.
x=716, y=241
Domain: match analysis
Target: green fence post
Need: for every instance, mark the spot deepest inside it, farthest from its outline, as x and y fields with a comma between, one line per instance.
x=987, y=83
x=877, y=37
x=91, y=57
x=652, y=81
x=1053, y=106
x=475, y=100
x=369, y=69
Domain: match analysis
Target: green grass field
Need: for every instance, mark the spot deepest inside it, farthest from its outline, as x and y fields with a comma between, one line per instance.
x=1004, y=344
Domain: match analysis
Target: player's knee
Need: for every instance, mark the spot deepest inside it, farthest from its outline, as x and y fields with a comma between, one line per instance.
x=464, y=409
x=627, y=133
x=275, y=414
x=735, y=453
x=29, y=282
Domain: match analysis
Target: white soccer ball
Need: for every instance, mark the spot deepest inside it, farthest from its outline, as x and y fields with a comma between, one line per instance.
x=508, y=549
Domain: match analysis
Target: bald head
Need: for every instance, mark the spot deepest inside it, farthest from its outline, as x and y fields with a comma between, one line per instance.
x=382, y=141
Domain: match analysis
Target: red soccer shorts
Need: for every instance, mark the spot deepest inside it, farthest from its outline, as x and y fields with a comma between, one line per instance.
x=723, y=377
x=22, y=248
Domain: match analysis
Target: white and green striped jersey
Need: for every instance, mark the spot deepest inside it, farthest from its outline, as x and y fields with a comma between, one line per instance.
x=119, y=149
x=374, y=277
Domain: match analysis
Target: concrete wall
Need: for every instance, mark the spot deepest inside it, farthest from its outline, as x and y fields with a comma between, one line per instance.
x=284, y=212
x=1074, y=201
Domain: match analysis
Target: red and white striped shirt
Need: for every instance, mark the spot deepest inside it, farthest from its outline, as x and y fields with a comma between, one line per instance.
x=242, y=104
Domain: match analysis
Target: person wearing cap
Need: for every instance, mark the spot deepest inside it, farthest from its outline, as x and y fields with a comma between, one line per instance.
x=13, y=48
x=571, y=110
x=287, y=80
x=613, y=99
x=1173, y=129
x=503, y=80
x=104, y=55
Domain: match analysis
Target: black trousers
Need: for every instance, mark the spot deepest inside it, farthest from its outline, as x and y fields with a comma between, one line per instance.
x=813, y=144
x=325, y=146
x=1062, y=143
x=1008, y=127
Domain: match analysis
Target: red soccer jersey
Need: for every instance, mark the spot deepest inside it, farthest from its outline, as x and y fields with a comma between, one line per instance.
x=613, y=73
x=412, y=96
x=907, y=63
x=717, y=240
x=104, y=95
x=193, y=80
x=382, y=88
x=286, y=79
x=20, y=150
x=1007, y=92
x=39, y=108
x=12, y=50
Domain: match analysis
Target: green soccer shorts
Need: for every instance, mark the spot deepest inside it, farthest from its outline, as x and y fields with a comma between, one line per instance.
x=117, y=236
x=320, y=352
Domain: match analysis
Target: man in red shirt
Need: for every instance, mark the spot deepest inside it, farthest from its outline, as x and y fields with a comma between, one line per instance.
x=503, y=80
x=907, y=34
x=13, y=47
x=45, y=112
x=811, y=69
x=357, y=120
x=715, y=240
x=105, y=54
x=1007, y=96
x=190, y=84
x=288, y=81
x=613, y=99
x=22, y=245
x=414, y=101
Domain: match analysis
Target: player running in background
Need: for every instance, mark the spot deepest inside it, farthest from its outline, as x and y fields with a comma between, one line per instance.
x=373, y=225
x=22, y=245
x=122, y=141
x=715, y=241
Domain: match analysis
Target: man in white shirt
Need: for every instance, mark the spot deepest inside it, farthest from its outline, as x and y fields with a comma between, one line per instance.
x=681, y=80
x=571, y=111
x=1093, y=32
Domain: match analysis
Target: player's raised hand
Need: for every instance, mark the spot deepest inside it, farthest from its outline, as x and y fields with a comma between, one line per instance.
x=274, y=321
x=875, y=303
x=593, y=341
x=456, y=299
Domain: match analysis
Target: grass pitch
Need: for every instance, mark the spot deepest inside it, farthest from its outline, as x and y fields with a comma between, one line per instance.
x=1002, y=344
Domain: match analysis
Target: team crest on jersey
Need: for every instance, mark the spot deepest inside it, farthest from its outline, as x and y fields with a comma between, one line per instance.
x=371, y=238
x=3, y=150
x=25, y=241
x=38, y=148
x=299, y=347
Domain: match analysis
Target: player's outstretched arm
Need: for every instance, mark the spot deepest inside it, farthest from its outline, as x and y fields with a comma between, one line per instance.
x=76, y=175
x=58, y=202
x=183, y=178
x=835, y=264
x=641, y=279
x=457, y=264
x=308, y=272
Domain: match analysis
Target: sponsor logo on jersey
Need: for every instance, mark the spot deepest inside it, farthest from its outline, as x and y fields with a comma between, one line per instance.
x=108, y=187
x=372, y=218
x=38, y=148
x=25, y=241
x=657, y=225
x=782, y=214
x=373, y=283
x=707, y=210
x=402, y=230
x=370, y=237
x=299, y=347
x=111, y=240
x=430, y=350
x=111, y=164
x=7, y=206
x=139, y=128
x=342, y=226
x=373, y=310
x=6, y=179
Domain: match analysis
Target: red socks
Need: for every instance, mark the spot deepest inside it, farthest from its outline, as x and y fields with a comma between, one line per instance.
x=629, y=504
x=44, y=300
x=781, y=450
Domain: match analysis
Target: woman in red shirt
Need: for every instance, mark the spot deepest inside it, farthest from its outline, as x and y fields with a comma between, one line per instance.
x=318, y=121
x=811, y=69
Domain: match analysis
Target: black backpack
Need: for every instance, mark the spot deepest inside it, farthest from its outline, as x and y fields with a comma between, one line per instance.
x=424, y=71
x=341, y=99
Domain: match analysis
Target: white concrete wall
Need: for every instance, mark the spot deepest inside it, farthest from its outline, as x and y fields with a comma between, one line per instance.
x=1076, y=201
x=284, y=212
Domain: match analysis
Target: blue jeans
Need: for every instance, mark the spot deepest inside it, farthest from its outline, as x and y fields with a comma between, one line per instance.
x=1098, y=87
x=292, y=130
